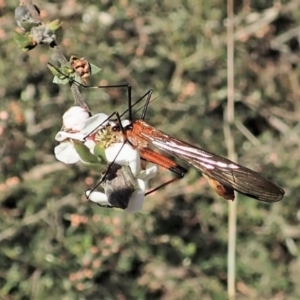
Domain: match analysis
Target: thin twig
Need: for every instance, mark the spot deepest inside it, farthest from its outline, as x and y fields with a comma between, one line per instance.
x=33, y=12
x=73, y=86
x=229, y=121
x=78, y=98
x=247, y=133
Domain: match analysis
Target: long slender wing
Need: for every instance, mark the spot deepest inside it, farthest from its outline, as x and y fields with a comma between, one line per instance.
x=217, y=168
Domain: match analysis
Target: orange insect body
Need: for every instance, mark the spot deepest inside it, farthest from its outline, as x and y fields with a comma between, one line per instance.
x=223, y=175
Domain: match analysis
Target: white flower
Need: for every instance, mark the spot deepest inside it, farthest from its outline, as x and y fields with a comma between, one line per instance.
x=124, y=154
x=78, y=131
x=75, y=117
x=94, y=123
x=136, y=200
x=63, y=135
x=79, y=124
x=66, y=153
x=150, y=172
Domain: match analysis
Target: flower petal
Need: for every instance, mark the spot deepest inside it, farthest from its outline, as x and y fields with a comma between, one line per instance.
x=128, y=156
x=66, y=153
x=150, y=172
x=90, y=144
x=94, y=123
x=63, y=135
x=137, y=198
x=75, y=117
x=97, y=197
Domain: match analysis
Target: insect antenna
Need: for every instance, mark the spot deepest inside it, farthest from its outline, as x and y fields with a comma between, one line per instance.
x=130, y=105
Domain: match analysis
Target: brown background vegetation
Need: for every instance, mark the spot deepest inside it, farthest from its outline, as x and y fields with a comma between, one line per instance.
x=56, y=245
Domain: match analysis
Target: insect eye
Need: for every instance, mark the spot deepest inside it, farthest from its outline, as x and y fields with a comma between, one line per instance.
x=116, y=128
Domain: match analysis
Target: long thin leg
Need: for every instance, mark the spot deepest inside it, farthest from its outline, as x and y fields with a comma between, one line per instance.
x=123, y=85
x=146, y=104
x=120, y=124
x=72, y=80
x=130, y=105
x=107, y=169
x=129, y=93
x=158, y=159
x=162, y=185
x=111, y=164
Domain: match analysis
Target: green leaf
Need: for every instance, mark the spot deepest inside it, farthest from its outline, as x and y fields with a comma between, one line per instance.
x=100, y=153
x=24, y=41
x=54, y=25
x=60, y=81
x=63, y=74
x=53, y=69
x=94, y=69
x=94, y=167
x=65, y=71
x=85, y=153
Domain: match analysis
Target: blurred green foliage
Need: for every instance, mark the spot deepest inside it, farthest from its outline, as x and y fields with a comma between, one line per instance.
x=56, y=245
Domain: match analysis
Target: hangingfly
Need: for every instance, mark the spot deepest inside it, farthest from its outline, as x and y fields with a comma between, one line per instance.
x=223, y=175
